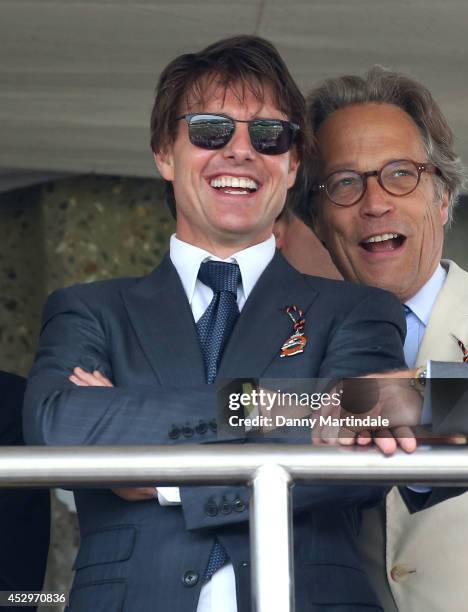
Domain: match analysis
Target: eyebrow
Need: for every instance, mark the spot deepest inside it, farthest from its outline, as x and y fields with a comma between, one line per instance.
x=342, y=167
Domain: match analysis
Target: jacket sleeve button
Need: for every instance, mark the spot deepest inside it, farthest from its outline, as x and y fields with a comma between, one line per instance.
x=211, y=509
x=187, y=431
x=174, y=433
x=201, y=428
x=239, y=505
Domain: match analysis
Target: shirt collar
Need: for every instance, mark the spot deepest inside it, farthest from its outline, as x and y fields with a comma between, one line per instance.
x=252, y=261
x=422, y=303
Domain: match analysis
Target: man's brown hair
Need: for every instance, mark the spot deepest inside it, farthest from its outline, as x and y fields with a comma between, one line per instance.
x=246, y=63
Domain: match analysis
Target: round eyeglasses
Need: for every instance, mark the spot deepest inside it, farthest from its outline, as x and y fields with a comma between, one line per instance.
x=398, y=178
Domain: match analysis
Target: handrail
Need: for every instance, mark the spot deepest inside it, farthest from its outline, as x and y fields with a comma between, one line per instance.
x=268, y=469
x=28, y=466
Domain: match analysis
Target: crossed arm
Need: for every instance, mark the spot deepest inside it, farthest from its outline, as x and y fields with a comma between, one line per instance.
x=81, y=378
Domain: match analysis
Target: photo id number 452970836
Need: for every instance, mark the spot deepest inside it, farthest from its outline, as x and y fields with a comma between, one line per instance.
x=33, y=598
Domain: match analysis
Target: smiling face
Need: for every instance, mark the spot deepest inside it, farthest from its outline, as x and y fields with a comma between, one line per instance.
x=390, y=242
x=227, y=199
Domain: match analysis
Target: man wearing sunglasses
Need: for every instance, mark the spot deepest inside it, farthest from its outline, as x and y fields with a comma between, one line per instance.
x=386, y=186
x=227, y=132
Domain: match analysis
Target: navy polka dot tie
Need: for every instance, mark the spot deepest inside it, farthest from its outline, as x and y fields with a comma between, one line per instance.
x=218, y=558
x=214, y=329
x=216, y=323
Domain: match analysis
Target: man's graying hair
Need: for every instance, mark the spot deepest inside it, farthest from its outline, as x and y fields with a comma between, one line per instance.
x=383, y=86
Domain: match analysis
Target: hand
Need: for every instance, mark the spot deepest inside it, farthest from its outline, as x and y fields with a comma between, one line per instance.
x=82, y=378
x=394, y=399
x=391, y=397
x=388, y=396
x=408, y=441
x=136, y=493
x=388, y=440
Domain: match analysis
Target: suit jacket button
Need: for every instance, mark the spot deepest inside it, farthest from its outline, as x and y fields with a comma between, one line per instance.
x=226, y=508
x=239, y=505
x=213, y=425
x=187, y=431
x=201, y=428
x=190, y=578
x=211, y=509
x=174, y=432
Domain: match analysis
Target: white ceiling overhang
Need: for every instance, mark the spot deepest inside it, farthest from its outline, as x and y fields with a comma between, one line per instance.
x=77, y=77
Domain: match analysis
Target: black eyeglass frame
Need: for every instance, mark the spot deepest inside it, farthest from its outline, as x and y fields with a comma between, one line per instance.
x=420, y=168
x=294, y=127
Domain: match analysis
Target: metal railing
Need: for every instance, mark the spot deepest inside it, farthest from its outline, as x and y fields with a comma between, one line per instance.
x=269, y=470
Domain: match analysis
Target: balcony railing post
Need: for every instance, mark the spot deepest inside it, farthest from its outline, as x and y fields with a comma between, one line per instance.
x=271, y=540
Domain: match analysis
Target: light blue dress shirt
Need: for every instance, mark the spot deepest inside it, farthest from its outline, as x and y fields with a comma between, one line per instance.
x=417, y=318
x=421, y=306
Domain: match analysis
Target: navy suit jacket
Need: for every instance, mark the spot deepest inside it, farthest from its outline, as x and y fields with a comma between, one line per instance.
x=141, y=334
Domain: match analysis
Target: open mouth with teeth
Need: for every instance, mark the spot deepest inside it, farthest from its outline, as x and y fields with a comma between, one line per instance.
x=234, y=185
x=383, y=242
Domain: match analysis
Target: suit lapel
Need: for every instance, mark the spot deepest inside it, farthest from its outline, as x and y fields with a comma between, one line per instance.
x=162, y=319
x=449, y=319
x=263, y=326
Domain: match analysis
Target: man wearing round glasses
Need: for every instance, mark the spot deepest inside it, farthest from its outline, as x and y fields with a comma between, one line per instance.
x=386, y=187
x=399, y=178
x=222, y=304
x=383, y=210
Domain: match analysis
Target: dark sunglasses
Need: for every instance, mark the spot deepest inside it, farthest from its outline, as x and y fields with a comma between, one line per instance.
x=213, y=131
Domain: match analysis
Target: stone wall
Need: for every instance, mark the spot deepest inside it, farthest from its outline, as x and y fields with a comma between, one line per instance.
x=22, y=277
x=74, y=230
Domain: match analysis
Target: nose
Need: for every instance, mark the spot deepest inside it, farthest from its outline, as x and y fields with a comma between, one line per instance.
x=376, y=202
x=239, y=149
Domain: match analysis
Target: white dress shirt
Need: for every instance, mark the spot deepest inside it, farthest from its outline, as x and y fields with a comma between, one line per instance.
x=220, y=592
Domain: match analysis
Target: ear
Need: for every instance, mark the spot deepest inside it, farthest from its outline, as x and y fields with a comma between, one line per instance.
x=293, y=167
x=279, y=230
x=444, y=206
x=164, y=161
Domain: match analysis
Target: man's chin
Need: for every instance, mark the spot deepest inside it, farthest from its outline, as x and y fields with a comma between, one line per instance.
x=244, y=232
x=387, y=280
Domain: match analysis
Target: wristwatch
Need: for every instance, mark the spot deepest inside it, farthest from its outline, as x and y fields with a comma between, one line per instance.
x=419, y=380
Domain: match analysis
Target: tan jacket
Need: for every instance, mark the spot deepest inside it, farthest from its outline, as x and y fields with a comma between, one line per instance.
x=426, y=554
